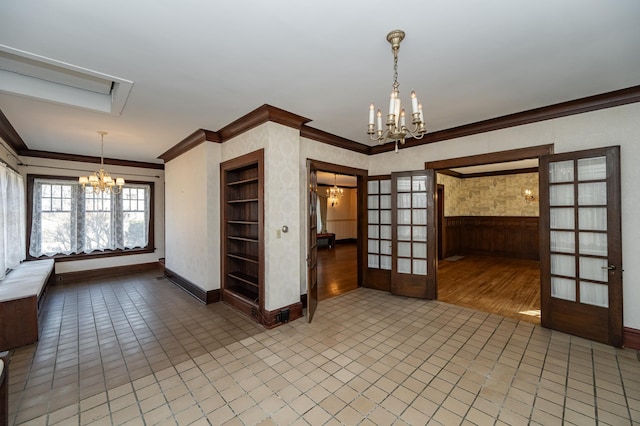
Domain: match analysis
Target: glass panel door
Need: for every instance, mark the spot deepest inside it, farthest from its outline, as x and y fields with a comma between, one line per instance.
x=581, y=244
x=413, y=269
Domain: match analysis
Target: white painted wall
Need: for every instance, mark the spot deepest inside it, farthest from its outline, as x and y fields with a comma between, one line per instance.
x=42, y=166
x=193, y=215
x=608, y=127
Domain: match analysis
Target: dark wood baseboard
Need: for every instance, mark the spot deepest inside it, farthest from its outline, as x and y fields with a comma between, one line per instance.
x=271, y=319
x=631, y=338
x=347, y=241
x=205, y=296
x=73, y=277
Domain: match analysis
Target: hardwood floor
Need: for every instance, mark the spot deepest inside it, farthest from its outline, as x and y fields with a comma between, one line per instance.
x=337, y=270
x=504, y=286
x=508, y=287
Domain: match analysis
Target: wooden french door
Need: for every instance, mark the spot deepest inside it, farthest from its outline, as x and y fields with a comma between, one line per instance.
x=581, y=245
x=312, y=249
x=413, y=217
x=379, y=231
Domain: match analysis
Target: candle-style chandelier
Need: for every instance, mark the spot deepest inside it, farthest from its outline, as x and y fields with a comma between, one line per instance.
x=100, y=181
x=335, y=192
x=396, y=129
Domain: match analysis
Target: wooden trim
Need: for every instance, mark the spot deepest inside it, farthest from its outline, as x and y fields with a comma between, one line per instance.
x=490, y=158
x=81, y=276
x=270, y=319
x=330, y=139
x=205, y=296
x=190, y=142
x=9, y=134
x=549, y=112
x=631, y=338
x=259, y=116
x=503, y=236
x=500, y=173
x=451, y=173
x=88, y=159
x=303, y=300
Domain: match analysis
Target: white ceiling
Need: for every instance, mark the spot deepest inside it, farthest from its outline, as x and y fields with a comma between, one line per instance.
x=197, y=64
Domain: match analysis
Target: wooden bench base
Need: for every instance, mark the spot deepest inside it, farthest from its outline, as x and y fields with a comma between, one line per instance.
x=19, y=322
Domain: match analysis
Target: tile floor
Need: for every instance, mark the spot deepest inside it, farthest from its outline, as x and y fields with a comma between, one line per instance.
x=139, y=351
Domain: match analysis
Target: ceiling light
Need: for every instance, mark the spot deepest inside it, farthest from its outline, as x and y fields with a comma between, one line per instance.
x=100, y=181
x=335, y=192
x=396, y=129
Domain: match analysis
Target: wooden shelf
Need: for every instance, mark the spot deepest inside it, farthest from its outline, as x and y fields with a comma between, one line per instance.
x=245, y=257
x=242, y=200
x=241, y=276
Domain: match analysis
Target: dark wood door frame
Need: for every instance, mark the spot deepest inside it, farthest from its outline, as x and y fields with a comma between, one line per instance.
x=361, y=177
x=440, y=221
x=490, y=158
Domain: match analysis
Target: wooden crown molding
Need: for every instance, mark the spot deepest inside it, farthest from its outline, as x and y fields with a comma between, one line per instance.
x=259, y=116
x=9, y=134
x=88, y=159
x=330, y=139
x=190, y=142
x=563, y=109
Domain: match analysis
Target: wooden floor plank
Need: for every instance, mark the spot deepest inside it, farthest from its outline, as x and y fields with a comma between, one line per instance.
x=504, y=286
x=509, y=287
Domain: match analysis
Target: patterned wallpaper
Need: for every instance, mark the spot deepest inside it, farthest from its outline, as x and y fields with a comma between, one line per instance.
x=490, y=196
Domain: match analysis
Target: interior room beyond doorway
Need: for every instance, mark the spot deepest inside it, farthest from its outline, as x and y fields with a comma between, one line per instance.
x=489, y=239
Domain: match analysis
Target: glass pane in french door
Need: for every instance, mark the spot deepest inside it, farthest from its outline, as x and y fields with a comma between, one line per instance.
x=379, y=228
x=578, y=230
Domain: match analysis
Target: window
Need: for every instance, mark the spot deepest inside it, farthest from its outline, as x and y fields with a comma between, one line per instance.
x=12, y=222
x=69, y=220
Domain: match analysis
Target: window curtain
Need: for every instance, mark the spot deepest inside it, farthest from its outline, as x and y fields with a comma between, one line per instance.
x=322, y=200
x=92, y=222
x=12, y=219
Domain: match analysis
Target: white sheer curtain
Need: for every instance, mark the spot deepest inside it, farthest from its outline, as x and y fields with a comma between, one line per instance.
x=12, y=219
x=67, y=220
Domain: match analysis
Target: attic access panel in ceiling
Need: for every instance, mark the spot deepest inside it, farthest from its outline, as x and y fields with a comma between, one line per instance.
x=33, y=76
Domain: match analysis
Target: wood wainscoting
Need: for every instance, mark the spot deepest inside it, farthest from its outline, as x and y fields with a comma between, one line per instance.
x=504, y=236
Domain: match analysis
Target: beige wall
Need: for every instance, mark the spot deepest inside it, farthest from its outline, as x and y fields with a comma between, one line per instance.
x=342, y=219
x=490, y=196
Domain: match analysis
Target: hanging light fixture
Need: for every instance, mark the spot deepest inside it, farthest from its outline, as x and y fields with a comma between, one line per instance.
x=396, y=129
x=335, y=192
x=100, y=181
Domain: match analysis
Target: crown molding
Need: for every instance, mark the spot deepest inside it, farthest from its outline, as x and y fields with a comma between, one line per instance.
x=190, y=142
x=9, y=134
x=563, y=109
x=259, y=116
x=330, y=139
x=89, y=159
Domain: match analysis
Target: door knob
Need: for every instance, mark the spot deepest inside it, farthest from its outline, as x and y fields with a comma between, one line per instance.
x=610, y=267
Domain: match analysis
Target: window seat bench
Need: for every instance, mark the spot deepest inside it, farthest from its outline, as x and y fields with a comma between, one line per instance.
x=22, y=294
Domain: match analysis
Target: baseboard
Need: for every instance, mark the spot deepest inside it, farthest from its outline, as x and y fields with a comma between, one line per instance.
x=631, y=338
x=347, y=241
x=206, y=297
x=271, y=319
x=79, y=276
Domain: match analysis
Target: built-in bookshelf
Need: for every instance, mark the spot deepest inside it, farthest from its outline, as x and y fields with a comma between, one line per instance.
x=242, y=189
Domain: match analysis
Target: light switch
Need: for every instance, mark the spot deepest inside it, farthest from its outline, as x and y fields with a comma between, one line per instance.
x=278, y=234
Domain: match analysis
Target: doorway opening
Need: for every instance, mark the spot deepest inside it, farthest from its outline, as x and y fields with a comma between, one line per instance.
x=314, y=225
x=337, y=237
x=488, y=225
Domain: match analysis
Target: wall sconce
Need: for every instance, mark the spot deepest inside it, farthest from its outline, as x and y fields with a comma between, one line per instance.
x=528, y=195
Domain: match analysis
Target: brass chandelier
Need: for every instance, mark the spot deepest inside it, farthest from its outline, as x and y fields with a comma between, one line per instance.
x=396, y=129
x=335, y=192
x=100, y=181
